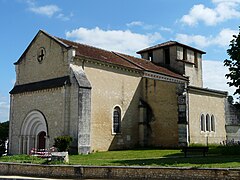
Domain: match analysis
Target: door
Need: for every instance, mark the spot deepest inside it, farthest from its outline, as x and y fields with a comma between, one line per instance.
x=41, y=140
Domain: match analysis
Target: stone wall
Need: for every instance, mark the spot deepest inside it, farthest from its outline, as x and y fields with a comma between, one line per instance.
x=205, y=103
x=162, y=98
x=116, y=172
x=54, y=64
x=51, y=103
x=111, y=87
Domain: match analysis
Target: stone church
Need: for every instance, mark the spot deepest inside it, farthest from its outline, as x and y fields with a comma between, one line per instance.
x=107, y=100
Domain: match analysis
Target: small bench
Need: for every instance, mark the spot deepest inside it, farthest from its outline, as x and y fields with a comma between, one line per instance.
x=203, y=149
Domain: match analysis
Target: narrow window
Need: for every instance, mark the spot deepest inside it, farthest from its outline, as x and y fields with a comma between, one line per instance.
x=212, y=123
x=196, y=59
x=150, y=56
x=184, y=54
x=167, y=55
x=202, y=122
x=207, y=123
x=117, y=120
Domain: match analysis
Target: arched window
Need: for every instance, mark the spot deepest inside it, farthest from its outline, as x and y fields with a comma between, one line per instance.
x=202, y=122
x=212, y=123
x=117, y=120
x=207, y=122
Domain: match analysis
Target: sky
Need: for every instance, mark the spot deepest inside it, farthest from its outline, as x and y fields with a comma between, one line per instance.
x=124, y=26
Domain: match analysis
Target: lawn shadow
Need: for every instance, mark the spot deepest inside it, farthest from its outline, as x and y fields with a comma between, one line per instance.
x=178, y=159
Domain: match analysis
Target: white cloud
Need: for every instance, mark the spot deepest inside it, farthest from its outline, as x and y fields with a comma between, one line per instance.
x=224, y=10
x=135, y=23
x=222, y=39
x=115, y=40
x=214, y=76
x=4, y=109
x=47, y=10
x=165, y=29
x=141, y=24
x=63, y=17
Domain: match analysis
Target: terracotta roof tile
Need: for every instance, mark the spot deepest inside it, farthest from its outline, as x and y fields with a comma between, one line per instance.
x=149, y=66
x=119, y=59
x=98, y=54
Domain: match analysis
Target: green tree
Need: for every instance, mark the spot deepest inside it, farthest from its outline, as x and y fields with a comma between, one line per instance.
x=4, y=129
x=233, y=63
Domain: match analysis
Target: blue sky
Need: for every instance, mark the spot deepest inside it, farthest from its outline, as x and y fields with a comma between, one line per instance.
x=125, y=26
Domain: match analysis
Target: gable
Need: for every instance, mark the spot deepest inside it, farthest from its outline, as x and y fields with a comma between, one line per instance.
x=45, y=58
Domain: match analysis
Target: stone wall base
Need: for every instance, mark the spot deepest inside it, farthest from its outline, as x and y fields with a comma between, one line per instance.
x=116, y=172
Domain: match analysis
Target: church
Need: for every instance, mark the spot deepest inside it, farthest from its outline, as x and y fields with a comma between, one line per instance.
x=108, y=100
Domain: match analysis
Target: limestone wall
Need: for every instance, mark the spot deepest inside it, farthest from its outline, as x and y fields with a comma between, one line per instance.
x=113, y=87
x=52, y=66
x=203, y=104
x=50, y=102
x=194, y=73
x=162, y=98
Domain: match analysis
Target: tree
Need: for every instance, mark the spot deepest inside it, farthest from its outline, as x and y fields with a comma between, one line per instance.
x=234, y=63
x=4, y=129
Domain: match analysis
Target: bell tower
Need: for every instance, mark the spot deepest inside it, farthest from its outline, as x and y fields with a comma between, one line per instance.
x=179, y=58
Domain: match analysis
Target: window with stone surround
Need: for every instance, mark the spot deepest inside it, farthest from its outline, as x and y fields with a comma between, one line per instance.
x=212, y=123
x=117, y=120
x=202, y=122
x=207, y=123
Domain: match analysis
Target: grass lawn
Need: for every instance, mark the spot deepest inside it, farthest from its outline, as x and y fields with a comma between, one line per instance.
x=149, y=157
x=167, y=158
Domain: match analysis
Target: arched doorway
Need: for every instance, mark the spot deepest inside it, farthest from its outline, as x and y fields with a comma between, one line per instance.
x=34, y=132
x=41, y=140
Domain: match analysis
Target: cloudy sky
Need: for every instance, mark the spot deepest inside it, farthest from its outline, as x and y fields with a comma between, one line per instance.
x=125, y=26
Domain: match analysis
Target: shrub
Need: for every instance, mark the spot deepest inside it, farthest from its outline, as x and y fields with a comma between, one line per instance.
x=62, y=143
x=2, y=147
x=230, y=150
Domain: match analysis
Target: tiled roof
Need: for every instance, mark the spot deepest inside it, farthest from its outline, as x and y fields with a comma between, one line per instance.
x=169, y=43
x=40, y=85
x=149, y=66
x=119, y=59
x=98, y=54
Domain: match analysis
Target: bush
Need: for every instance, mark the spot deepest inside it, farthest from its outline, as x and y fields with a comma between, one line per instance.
x=62, y=143
x=4, y=128
x=230, y=150
x=2, y=147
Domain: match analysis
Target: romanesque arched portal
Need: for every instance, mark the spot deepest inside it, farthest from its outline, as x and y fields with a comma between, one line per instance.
x=34, y=132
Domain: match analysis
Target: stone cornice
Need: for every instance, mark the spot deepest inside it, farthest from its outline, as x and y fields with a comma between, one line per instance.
x=162, y=77
x=206, y=91
x=105, y=64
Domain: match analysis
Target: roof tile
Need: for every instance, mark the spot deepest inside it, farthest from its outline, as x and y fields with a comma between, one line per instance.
x=119, y=59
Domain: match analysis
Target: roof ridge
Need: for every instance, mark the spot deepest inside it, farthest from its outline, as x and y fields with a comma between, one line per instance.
x=82, y=44
x=168, y=43
x=119, y=54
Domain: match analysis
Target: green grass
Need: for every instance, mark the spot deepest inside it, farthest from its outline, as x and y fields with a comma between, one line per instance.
x=22, y=159
x=115, y=157
x=147, y=157
x=167, y=158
